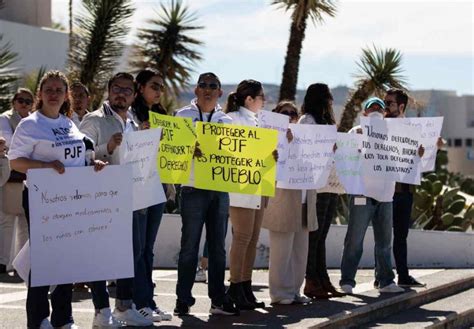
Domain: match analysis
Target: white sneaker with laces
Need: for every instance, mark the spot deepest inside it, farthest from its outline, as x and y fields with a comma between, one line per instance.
x=45, y=324
x=299, y=299
x=131, y=317
x=347, y=288
x=105, y=319
x=165, y=316
x=200, y=275
x=392, y=288
x=148, y=313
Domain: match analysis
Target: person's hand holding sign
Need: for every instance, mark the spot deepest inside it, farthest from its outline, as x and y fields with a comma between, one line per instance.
x=421, y=151
x=197, y=151
x=114, y=141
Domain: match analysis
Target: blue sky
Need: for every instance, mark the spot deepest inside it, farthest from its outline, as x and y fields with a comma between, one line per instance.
x=248, y=38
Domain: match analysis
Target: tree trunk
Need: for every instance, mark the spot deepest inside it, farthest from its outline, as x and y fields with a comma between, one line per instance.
x=292, y=60
x=353, y=107
x=70, y=26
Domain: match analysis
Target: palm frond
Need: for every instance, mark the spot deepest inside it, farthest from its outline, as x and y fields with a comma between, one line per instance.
x=32, y=80
x=314, y=9
x=98, y=43
x=165, y=46
x=8, y=74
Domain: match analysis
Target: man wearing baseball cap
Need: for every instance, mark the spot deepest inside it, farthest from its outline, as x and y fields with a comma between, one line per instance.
x=375, y=207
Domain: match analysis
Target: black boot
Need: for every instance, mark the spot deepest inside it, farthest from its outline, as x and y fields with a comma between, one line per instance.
x=237, y=295
x=247, y=287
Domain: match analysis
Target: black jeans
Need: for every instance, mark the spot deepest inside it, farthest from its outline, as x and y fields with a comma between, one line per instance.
x=37, y=305
x=326, y=204
x=402, y=205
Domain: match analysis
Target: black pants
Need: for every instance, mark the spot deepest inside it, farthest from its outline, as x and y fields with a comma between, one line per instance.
x=402, y=205
x=37, y=305
x=326, y=204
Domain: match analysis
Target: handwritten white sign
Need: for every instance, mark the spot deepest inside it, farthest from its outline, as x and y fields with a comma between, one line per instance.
x=430, y=128
x=348, y=162
x=280, y=122
x=140, y=149
x=78, y=221
x=310, y=157
x=390, y=150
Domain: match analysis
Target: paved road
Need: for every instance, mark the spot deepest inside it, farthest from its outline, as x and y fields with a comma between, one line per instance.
x=13, y=297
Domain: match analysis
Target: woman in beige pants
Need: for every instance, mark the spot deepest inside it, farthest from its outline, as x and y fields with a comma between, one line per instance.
x=246, y=211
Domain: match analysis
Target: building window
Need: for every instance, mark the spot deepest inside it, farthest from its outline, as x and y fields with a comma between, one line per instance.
x=468, y=142
x=457, y=142
x=450, y=142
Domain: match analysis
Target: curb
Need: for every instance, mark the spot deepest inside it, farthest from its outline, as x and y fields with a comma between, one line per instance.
x=462, y=320
x=389, y=306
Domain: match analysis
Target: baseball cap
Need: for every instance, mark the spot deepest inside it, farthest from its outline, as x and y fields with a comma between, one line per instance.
x=374, y=100
x=209, y=74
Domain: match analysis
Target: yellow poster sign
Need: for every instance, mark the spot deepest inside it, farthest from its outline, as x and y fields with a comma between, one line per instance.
x=236, y=159
x=176, y=147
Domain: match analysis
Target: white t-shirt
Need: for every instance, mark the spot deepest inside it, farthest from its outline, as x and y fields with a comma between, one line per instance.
x=38, y=137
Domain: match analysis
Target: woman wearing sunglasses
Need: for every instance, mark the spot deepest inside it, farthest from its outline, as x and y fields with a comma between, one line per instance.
x=12, y=213
x=246, y=211
x=287, y=108
x=317, y=109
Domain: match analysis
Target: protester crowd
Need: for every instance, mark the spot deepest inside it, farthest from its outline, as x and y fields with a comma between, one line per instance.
x=298, y=221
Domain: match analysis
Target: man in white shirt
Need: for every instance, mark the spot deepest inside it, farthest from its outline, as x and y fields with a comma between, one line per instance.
x=375, y=207
x=203, y=207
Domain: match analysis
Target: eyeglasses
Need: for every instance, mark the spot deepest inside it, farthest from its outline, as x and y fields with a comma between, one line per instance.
x=212, y=85
x=24, y=101
x=262, y=95
x=289, y=113
x=119, y=90
x=388, y=103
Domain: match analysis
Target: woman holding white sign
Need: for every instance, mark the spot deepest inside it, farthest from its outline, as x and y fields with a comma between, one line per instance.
x=246, y=211
x=49, y=139
x=150, y=87
x=317, y=109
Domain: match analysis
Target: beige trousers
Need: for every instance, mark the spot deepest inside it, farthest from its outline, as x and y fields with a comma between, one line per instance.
x=288, y=258
x=246, y=224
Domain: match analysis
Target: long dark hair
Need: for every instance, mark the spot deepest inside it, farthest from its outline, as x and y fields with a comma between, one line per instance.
x=317, y=103
x=237, y=98
x=139, y=106
x=66, y=106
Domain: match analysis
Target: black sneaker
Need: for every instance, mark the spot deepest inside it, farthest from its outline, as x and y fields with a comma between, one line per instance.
x=410, y=282
x=227, y=308
x=181, y=309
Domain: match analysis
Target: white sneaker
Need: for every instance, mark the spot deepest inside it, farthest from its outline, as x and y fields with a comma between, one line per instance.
x=68, y=326
x=200, y=275
x=131, y=317
x=45, y=324
x=392, y=288
x=148, y=313
x=287, y=301
x=165, y=316
x=105, y=319
x=347, y=288
x=299, y=299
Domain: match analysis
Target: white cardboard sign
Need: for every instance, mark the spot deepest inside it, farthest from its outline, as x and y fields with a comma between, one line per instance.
x=348, y=162
x=280, y=122
x=310, y=157
x=139, y=149
x=390, y=150
x=78, y=222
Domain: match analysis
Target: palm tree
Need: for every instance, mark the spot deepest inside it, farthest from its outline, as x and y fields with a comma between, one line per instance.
x=379, y=70
x=302, y=9
x=8, y=75
x=98, y=43
x=167, y=47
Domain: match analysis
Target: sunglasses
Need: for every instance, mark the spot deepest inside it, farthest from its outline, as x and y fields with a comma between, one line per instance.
x=289, y=113
x=24, y=101
x=119, y=90
x=212, y=85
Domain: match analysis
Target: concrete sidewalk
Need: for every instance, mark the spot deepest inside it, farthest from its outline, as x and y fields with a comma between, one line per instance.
x=13, y=297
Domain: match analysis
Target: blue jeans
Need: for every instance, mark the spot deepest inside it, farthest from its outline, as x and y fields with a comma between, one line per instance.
x=199, y=208
x=148, y=222
x=380, y=214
